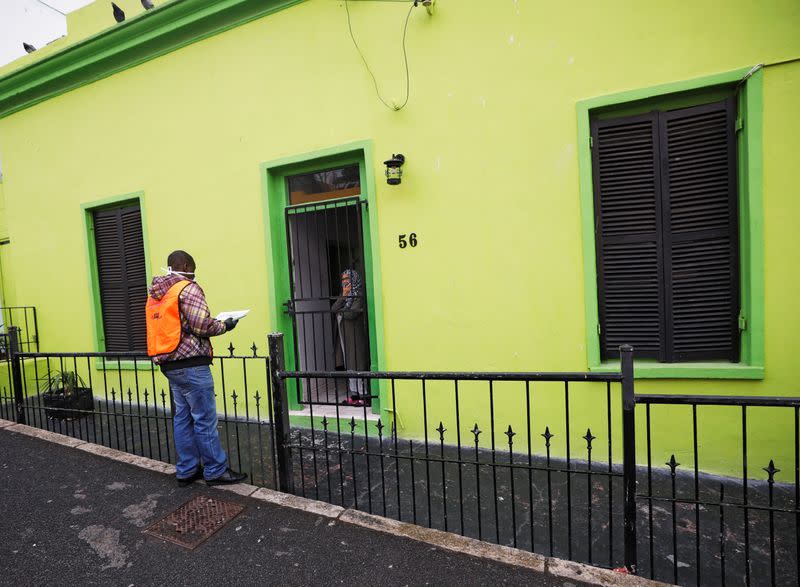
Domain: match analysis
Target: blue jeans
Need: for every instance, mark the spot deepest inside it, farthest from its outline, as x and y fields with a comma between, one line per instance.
x=195, y=421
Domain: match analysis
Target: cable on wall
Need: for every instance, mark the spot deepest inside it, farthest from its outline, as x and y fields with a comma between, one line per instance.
x=393, y=105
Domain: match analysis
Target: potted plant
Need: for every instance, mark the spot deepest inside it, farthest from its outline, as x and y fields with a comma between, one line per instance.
x=65, y=395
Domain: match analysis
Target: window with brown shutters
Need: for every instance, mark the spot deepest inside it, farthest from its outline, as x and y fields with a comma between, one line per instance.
x=122, y=277
x=667, y=233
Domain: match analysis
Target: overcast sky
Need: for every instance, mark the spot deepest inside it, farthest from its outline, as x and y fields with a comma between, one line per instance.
x=36, y=22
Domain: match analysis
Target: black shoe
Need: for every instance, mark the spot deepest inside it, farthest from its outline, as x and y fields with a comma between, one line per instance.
x=185, y=481
x=228, y=477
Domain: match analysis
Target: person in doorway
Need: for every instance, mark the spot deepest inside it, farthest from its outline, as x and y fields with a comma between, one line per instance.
x=351, y=338
x=179, y=326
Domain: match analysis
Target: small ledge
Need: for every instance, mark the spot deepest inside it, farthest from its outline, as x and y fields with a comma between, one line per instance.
x=333, y=412
x=124, y=365
x=706, y=370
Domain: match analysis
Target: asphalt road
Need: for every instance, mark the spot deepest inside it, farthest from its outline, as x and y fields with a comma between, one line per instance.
x=72, y=518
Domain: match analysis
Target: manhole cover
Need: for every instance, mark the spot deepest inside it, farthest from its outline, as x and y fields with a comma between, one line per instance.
x=195, y=521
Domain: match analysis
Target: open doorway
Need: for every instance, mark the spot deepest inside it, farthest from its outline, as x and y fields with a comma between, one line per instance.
x=326, y=253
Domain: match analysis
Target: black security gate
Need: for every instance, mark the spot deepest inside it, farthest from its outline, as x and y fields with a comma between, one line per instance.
x=324, y=239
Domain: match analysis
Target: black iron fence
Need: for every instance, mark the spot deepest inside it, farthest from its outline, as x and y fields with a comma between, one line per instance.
x=545, y=462
x=510, y=477
x=492, y=475
x=708, y=529
x=123, y=401
x=503, y=457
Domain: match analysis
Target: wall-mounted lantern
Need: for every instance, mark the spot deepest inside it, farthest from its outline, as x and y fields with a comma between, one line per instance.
x=394, y=169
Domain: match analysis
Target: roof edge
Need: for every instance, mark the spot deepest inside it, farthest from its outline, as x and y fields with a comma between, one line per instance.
x=149, y=35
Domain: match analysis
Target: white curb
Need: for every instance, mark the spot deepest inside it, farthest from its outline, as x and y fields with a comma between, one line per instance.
x=288, y=500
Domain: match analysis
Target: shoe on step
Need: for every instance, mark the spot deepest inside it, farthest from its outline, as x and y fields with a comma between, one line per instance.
x=228, y=477
x=186, y=481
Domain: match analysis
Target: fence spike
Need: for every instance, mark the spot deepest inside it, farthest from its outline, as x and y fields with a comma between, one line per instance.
x=511, y=434
x=771, y=470
x=547, y=436
x=673, y=464
x=231, y=348
x=379, y=426
x=589, y=438
x=257, y=397
x=441, y=430
x=324, y=422
x=254, y=348
x=352, y=423
x=476, y=431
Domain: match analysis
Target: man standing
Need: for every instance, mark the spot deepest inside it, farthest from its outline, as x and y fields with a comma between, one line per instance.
x=179, y=327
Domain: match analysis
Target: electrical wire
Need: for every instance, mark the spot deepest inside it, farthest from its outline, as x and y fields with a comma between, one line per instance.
x=771, y=63
x=759, y=66
x=749, y=74
x=392, y=106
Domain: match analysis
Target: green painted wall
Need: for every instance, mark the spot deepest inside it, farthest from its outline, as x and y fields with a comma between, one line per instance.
x=491, y=183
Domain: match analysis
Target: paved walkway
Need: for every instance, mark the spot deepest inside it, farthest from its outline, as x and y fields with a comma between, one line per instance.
x=69, y=517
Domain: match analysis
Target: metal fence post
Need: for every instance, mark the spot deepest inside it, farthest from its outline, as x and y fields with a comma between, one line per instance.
x=280, y=411
x=629, y=454
x=16, y=372
x=36, y=329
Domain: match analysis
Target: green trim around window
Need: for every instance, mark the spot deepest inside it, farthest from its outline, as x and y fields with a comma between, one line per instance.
x=751, y=186
x=649, y=369
x=94, y=281
x=144, y=37
x=751, y=218
x=274, y=201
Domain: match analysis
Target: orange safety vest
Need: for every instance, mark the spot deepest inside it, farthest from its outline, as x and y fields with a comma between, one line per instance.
x=164, y=321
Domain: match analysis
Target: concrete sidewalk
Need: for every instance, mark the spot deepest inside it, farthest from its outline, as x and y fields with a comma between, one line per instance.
x=68, y=516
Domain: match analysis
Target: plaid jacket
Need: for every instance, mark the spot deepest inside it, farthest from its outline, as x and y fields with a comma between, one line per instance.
x=197, y=324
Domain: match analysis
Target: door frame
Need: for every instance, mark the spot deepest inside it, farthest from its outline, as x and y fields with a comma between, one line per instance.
x=275, y=199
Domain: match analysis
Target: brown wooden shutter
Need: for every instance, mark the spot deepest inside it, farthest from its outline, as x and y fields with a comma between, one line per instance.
x=701, y=246
x=122, y=276
x=628, y=228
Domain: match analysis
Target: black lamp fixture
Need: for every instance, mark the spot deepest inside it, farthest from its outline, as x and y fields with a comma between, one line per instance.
x=394, y=169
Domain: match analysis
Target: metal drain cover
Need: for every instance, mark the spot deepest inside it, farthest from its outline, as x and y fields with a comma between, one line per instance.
x=195, y=521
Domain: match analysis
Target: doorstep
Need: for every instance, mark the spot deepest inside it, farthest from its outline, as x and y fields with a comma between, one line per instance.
x=334, y=412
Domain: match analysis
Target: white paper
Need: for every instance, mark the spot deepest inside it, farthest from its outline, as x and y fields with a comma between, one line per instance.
x=236, y=315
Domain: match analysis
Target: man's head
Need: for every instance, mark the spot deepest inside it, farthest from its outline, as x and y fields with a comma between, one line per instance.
x=182, y=262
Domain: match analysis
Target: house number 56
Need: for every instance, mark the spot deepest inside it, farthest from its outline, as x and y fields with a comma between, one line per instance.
x=412, y=240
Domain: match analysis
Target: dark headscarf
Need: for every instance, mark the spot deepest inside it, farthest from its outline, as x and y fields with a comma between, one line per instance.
x=355, y=287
